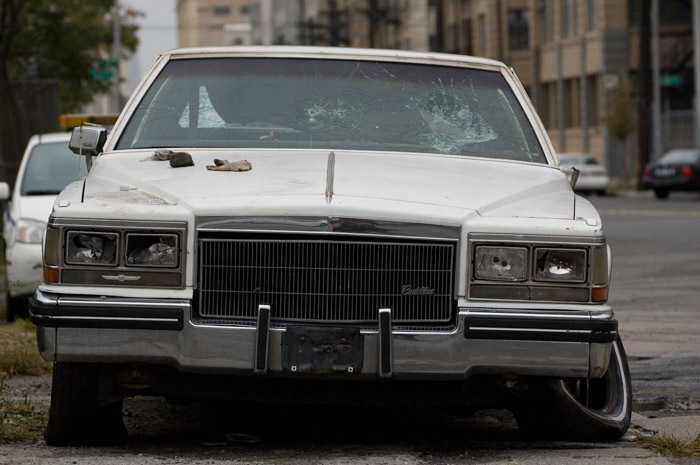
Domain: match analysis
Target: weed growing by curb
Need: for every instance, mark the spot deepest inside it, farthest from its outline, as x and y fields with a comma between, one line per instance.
x=671, y=446
x=19, y=421
x=18, y=352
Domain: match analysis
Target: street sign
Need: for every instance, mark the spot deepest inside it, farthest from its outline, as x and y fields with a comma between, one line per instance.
x=99, y=75
x=109, y=63
x=671, y=80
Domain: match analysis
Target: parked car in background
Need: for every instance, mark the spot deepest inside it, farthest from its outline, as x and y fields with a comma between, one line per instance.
x=47, y=166
x=676, y=170
x=329, y=226
x=593, y=177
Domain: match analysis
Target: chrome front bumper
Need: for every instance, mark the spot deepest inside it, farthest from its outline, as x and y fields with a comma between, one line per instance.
x=160, y=331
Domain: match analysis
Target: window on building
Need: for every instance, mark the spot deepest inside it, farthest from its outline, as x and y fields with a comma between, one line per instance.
x=591, y=15
x=545, y=11
x=593, y=96
x=468, y=39
x=633, y=11
x=221, y=11
x=518, y=29
x=572, y=104
x=452, y=39
x=244, y=10
x=482, y=34
x=569, y=18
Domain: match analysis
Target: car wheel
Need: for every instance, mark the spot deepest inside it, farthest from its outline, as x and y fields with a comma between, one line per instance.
x=580, y=409
x=76, y=418
x=661, y=193
x=601, y=192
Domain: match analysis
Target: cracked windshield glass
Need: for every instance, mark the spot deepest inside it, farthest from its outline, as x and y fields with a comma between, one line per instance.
x=332, y=104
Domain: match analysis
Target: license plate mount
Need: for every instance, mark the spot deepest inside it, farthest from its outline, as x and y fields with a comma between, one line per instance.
x=322, y=350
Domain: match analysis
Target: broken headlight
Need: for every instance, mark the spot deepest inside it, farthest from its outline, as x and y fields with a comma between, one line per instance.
x=560, y=265
x=91, y=248
x=501, y=263
x=151, y=250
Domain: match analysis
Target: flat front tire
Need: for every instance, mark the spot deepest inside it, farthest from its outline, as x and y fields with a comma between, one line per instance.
x=76, y=417
x=580, y=409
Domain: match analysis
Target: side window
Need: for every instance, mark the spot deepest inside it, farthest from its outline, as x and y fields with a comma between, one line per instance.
x=207, y=117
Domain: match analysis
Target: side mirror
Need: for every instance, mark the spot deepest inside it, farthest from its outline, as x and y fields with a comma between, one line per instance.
x=88, y=140
x=4, y=191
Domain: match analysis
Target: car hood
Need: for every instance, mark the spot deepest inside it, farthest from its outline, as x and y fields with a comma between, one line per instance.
x=284, y=179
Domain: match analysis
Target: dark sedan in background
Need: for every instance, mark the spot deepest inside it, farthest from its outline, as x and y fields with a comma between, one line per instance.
x=677, y=170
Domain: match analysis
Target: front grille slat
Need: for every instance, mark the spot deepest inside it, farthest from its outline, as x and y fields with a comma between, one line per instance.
x=341, y=281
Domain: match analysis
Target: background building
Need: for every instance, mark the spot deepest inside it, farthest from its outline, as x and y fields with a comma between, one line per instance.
x=213, y=22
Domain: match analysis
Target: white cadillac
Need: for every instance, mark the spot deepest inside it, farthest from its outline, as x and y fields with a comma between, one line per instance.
x=373, y=225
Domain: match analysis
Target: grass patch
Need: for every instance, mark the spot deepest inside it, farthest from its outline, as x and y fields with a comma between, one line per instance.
x=671, y=446
x=19, y=420
x=18, y=351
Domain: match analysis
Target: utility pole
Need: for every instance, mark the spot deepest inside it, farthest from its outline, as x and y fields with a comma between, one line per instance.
x=116, y=51
x=696, y=59
x=656, y=81
x=643, y=88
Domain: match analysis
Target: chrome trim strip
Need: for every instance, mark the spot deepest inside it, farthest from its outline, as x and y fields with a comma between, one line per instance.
x=330, y=175
x=527, y=314
x=120, y=277
x=103, y=302
x=119, y=224
x=536, y=239
x=539, y=330
x=110, y=318
x=328, y=224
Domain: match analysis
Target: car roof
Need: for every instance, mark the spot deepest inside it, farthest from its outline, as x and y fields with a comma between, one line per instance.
x=575, y=155
x=334, y=53
x=50, y=137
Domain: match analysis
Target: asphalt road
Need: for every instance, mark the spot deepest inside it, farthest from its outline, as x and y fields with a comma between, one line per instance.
x=656, y=294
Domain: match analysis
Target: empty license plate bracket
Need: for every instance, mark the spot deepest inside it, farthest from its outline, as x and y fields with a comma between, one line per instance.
x=321, y=350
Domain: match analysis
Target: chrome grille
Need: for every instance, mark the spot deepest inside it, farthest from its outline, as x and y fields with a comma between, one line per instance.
x=344, y=281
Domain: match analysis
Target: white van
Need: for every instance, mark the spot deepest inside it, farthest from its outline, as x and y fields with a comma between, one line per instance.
x=47, y=166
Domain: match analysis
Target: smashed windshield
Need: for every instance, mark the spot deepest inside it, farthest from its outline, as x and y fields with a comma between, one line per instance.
x=51, y=167
x=332, y=104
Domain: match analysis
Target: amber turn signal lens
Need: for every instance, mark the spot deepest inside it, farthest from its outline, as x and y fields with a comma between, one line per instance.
x=599, y=294
x=51, y=275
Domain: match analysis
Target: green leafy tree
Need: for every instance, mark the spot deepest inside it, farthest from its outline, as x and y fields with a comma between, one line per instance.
x=619, y=117
x=56, y=40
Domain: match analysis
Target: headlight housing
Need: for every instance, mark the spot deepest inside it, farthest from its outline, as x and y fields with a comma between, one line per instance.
x=530, y=268
x=111, y=253
x=29, y=231
x=157, y=250
x=560, y=265
x=500, y=263
x=91, y=248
